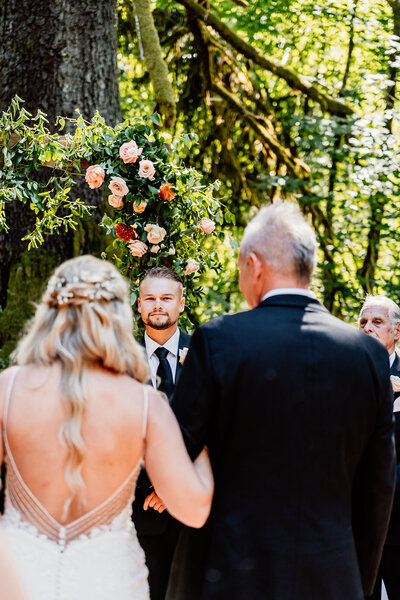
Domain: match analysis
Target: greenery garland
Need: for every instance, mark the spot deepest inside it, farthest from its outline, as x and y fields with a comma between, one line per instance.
x=159, y=212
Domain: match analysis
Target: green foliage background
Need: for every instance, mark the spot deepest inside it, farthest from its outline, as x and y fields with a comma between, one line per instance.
x=263, y=138
x=349, y=49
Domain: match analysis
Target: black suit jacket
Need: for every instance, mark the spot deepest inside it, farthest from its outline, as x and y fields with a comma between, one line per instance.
x=296, y=409
x=151, y=522
x=393, y=535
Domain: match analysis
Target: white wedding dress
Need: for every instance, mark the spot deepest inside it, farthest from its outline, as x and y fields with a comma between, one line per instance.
x=96, y=557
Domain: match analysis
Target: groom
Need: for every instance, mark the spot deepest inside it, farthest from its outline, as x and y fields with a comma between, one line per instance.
x=161, y=301
x=295, y=407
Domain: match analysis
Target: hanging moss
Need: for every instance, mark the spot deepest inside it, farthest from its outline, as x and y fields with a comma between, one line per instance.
x=155, y=62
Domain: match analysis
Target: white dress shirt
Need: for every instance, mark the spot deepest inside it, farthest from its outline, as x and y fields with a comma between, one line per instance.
x=171, y=345
x=280, y=291
x=396, y=403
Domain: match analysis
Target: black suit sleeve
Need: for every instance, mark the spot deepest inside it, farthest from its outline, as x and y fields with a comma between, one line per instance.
x=194, y=396
x=373, y=484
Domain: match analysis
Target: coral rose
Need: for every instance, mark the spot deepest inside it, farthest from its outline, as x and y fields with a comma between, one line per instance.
x=137, y=248
x=165, y=192
x=129, y=152
x=139, y=208
x=146, y=169
x=207, y=225
x=155, y=249
x=94, y=176
x=115, y=201
x=118, y=186
x=191, y=266
x=155, y=234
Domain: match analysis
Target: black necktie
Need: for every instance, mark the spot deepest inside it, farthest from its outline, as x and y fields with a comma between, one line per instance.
x=164, y=372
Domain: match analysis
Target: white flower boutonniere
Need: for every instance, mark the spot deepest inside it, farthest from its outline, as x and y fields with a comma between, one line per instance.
x=182, y=355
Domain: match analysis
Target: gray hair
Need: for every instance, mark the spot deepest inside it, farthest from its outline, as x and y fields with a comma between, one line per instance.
x=281, y=236
x=392, y=308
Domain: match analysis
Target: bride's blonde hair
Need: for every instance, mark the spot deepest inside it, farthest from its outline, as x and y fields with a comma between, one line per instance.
x=84, y=318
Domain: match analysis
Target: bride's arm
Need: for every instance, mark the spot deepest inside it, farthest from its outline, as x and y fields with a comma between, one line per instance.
x=185, y=488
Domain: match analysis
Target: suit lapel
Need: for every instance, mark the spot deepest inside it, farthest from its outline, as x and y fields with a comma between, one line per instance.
x=184, y=340
x=395, y=370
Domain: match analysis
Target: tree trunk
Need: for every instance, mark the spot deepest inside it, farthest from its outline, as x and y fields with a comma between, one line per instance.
x=57, y=56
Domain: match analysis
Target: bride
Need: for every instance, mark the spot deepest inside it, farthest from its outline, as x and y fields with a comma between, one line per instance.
x=77, y=423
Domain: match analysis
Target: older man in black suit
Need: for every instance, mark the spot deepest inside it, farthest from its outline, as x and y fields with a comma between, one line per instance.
x=296, y=409
x=161, y=301
x=380, y=318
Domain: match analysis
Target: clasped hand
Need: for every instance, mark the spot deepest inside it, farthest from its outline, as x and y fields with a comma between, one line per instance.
x=154, y=501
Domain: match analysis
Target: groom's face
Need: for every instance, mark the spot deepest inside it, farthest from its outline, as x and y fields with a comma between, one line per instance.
x=160, y=302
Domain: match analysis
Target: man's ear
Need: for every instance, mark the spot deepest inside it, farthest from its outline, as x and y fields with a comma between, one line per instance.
x=397, y=332
x=139, y=305
x=182, y=304
x=256, y=266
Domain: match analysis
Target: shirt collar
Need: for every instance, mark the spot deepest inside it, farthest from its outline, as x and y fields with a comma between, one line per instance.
x=280, y=291
x=392, y=357
x=171, y=344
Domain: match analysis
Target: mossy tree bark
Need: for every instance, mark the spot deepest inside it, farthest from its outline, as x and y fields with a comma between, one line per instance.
x=148, y=36
x=56, y=56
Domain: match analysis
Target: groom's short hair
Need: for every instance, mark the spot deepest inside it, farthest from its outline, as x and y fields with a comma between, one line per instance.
x=280, y=235
x=162, y=273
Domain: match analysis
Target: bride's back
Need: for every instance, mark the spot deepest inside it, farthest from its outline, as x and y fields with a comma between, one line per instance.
x=111, y=430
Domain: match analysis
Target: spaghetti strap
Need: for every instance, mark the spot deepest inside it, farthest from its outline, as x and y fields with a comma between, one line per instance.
x=145, y=410
x=8, y=398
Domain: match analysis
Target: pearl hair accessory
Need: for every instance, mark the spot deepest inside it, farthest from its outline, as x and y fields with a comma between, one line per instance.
x=86, y=287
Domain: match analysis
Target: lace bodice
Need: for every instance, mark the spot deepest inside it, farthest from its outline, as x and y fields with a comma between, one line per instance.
x=22, y=504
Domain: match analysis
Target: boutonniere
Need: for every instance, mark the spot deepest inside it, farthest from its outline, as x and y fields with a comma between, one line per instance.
x=182, y=355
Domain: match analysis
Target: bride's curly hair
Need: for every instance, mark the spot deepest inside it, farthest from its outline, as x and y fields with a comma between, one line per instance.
x=84, y=318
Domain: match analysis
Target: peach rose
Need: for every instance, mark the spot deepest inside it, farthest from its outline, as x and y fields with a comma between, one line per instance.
x=137, y=248
x=139, y=208
x=94, y=176
x=129, y=152
x=191, y=266
x=146, y=169
x=165, y=192
x=207, y=225
x=118, y=186
x=155, y=234
x=154, y=249
x=115, y=201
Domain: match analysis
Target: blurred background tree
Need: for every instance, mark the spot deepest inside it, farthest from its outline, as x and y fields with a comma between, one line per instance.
x=289, y=98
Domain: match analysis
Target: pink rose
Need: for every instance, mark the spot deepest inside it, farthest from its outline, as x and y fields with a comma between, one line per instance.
x=207, y=225
x=139, y=208
x=115, y=201
x=129, y=152
x=154, y=249
x=94, y=176
x=137, y=248
x=191, y=266
x=155, y=234
x=146, y=169
x=118, y=186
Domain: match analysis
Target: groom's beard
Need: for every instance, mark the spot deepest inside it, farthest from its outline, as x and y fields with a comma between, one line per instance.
x=159, y=321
